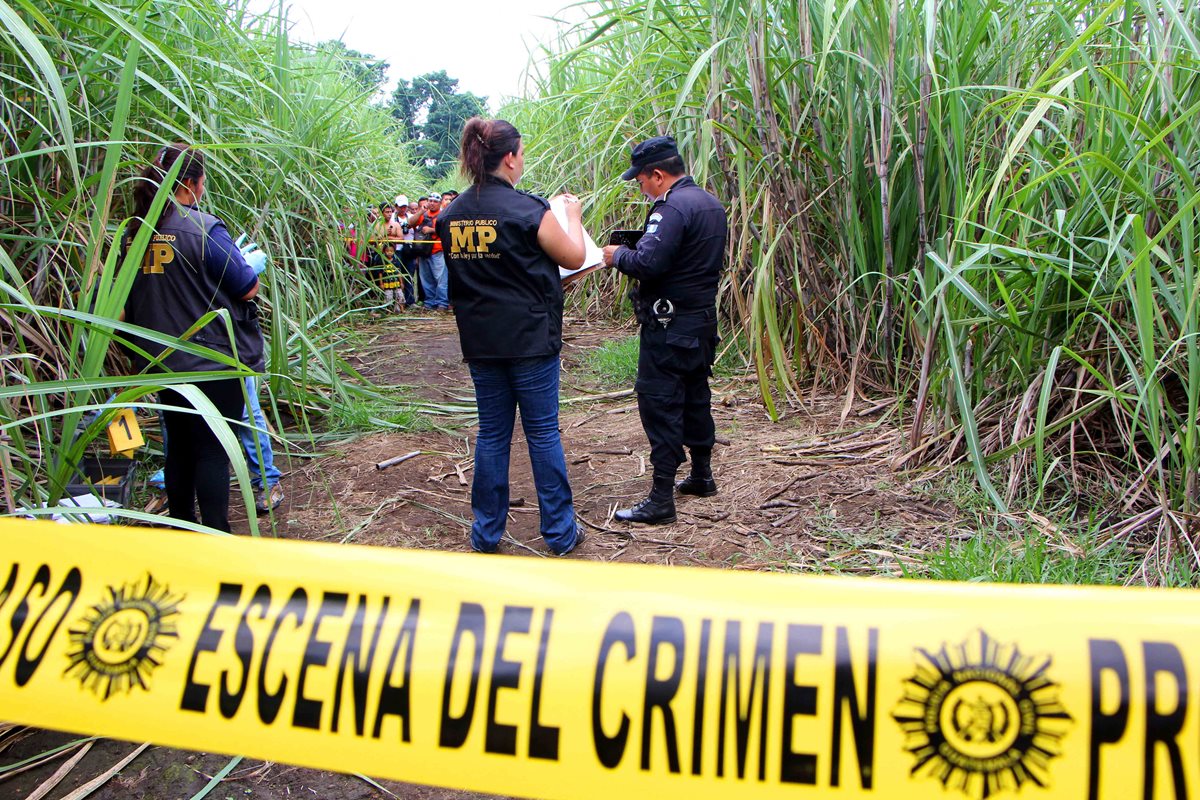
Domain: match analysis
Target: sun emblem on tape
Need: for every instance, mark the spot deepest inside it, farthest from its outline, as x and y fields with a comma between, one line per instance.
x=121, y=640
x=982, y=717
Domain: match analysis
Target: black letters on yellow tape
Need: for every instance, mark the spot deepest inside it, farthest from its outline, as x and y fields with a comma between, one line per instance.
x=569, y=679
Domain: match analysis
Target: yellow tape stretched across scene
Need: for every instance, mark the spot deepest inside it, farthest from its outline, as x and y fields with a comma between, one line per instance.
x=569, y=679
x=394, y=240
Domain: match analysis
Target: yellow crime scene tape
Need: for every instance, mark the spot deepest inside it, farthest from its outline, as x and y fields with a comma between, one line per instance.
x=570, y=679
x=395, y=240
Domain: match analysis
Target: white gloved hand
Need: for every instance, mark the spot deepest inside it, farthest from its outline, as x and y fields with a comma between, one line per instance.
x=255, y=257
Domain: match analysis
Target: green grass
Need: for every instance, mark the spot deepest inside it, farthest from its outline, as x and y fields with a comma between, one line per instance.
x=956, y=487
x=994, y=552
x=614, y=364
x=1006, y=557
x=1016, y=548
x=735, y=356
x=374, y=416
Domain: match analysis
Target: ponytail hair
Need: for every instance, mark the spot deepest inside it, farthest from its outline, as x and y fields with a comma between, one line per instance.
x=485, y=143
x=151, y=178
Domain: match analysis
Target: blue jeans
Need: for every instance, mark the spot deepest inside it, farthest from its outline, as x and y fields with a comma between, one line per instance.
x=501, y=386
x=255, y=440
x=434, y=281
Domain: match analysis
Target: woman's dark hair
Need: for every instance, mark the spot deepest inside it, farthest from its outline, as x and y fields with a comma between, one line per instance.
x=146, y=187
x=485, y=143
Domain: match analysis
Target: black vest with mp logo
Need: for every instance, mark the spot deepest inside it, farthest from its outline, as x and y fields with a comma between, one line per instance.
x=506, y=292
x=175, y=289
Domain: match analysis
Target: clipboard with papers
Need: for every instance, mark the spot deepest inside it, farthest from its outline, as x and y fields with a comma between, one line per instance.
x=593, y=256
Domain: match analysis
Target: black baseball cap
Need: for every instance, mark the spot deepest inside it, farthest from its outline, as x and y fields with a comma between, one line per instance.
x=651, y=151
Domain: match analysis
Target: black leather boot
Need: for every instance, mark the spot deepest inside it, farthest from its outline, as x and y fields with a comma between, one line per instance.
x=657, y=509
x=700, y=487
x=700, y=482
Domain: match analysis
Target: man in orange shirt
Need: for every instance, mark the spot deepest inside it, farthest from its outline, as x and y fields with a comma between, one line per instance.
x=434, y=280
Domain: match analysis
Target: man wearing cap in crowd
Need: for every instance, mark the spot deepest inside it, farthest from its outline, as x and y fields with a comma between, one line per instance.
x=435, y=283
x=677, y=264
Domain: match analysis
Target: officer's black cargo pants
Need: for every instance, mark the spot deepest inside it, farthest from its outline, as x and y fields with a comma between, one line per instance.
x=674, y=401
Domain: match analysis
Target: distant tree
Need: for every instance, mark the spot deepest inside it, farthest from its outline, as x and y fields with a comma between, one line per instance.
x=405, y=106
x=443, y=129
x=364, y=69
x=430, y=112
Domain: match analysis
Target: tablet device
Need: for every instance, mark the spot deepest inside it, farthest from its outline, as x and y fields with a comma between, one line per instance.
x=629, y=238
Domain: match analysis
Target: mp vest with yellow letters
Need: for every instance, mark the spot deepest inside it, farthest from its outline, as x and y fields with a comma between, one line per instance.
x=174, y=289
x=506, y=291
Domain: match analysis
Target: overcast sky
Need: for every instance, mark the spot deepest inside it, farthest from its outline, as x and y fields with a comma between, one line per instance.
x=485, y=45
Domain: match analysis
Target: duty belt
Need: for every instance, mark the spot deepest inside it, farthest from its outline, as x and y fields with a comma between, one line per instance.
x=662, y=311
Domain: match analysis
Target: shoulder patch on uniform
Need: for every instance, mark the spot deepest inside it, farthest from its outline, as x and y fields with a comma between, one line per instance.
x=656, y=217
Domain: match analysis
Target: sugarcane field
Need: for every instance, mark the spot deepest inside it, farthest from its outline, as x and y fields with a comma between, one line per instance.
x=631, y=397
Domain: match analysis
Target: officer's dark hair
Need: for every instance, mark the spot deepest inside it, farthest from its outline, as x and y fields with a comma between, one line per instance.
x=485, y=143
x=146, y=187
x=670, y=166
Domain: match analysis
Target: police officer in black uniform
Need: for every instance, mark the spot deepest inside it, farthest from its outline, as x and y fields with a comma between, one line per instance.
x=503, y=250
x=677, y=263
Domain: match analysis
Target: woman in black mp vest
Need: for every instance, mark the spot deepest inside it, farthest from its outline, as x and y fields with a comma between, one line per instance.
x=503, y=248
x=192, y=267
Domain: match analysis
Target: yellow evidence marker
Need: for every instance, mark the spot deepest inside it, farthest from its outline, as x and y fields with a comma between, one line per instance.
x=124, y=435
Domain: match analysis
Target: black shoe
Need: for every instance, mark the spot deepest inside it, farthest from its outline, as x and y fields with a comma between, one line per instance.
x=649, y=512
x=700, y=487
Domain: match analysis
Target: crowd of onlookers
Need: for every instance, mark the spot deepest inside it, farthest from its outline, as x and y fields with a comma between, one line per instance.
x=402, y=254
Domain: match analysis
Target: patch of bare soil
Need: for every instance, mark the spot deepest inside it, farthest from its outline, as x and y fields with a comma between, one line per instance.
x=809, y=493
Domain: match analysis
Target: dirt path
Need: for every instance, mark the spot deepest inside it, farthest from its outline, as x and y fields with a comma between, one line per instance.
x=804, y=494
x=800, y=494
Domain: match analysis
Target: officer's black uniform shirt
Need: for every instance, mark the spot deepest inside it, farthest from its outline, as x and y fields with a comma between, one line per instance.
x=506, y=291
x=190, y=268
x=682, y=249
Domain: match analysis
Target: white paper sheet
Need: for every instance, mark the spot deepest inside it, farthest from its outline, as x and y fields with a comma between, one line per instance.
x=592, y=254
x=87, y=501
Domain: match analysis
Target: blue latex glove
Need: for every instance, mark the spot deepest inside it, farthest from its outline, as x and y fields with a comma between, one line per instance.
x=255, y=257
x=257, y=261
